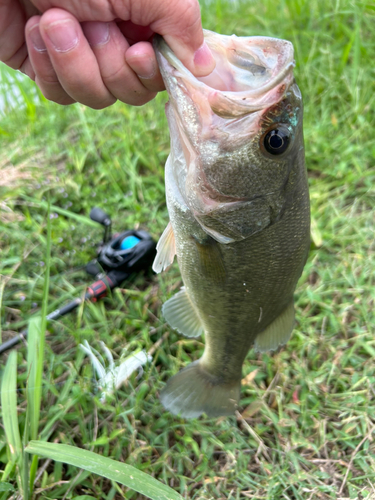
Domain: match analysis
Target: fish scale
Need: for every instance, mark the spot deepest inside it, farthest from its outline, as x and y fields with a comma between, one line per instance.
x=239, y=213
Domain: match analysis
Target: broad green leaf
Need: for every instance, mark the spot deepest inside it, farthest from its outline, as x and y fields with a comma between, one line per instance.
x=6, y=487
x=111, y=469
x=9, y=406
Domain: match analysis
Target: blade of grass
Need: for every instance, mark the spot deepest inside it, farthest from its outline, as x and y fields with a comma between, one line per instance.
x=34, y=392
x=9, y=409
x=116, y=471
x=7, y=472
x=2, y=286
x=35, y=357
x=61, y=211
x=6, y=487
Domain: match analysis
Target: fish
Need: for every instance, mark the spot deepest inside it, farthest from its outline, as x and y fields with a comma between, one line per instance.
x=238, y=203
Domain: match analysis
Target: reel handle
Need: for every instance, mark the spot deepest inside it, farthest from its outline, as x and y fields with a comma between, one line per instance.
x=98, y=215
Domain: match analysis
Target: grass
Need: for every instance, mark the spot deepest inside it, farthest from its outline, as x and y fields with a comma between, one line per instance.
x=305, y=428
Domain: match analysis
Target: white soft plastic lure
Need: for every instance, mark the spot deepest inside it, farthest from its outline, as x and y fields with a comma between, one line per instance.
x=111, y=377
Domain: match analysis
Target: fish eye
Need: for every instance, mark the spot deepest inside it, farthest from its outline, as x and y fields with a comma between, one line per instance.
x=276, y=140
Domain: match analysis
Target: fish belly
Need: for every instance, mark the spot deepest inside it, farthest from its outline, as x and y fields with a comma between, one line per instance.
x=241, y=293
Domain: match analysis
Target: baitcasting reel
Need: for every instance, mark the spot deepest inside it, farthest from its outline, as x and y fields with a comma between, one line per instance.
x=117, y=258
x=121, y=255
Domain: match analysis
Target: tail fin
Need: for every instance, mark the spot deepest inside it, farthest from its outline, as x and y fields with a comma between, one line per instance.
x=194, y=391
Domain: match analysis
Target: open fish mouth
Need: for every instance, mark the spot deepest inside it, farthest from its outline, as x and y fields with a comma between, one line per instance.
x=216, y=123
x=251, y=73
x=237, y=195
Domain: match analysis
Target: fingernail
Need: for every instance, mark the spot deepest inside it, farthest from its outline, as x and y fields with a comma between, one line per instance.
x=203, y=60
x=96, y=33
x=144, y=67
x=36, y=39
x=147, y=70
x=63, y=35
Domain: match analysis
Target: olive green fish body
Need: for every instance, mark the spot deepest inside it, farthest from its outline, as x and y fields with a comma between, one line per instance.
x=239, y=225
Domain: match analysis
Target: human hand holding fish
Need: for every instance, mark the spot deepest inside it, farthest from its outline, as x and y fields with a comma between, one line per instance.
x=100, y=51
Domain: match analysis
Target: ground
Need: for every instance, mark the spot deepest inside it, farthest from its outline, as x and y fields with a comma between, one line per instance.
x=305, y=426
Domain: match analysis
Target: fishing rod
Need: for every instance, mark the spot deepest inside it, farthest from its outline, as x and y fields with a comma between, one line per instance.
x=118, y=257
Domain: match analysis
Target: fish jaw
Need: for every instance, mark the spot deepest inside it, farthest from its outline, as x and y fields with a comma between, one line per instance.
x=234, y=88
x=216, y=123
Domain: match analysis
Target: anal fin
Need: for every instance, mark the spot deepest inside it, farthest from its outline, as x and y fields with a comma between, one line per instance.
x=165, y=250
x=278, y=332
x=181, y=315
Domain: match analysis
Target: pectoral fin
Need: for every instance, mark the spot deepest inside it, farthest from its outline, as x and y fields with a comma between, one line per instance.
x=166, y=250
x=181, y=315
x=277, y=333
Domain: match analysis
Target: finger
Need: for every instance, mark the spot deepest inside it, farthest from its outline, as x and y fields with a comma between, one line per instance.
x=93, y=10
x=178, y=21
x=27, y=69
x=73, y=60
x=110, y=48
x=142, y=60
x=40, y=67
x=141, y=56
x=13, y=50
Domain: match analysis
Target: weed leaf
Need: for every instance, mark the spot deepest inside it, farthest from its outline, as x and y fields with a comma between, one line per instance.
x=9, y=407
x=116, y=471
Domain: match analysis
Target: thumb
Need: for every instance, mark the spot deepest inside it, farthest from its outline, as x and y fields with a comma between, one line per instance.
x=179, y=22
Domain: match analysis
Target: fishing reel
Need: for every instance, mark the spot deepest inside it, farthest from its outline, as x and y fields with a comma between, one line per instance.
x=122, y=254
x=118, y=257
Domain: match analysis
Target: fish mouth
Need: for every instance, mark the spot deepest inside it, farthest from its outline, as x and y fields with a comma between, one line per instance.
x=210, y=117
x=251, y=73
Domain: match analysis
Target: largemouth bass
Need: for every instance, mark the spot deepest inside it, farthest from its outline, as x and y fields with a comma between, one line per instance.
x=237, y=197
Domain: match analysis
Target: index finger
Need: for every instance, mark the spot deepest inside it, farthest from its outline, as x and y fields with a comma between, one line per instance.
x=178, y=21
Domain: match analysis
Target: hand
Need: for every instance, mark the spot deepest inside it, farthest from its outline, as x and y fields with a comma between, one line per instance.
x=99, y=51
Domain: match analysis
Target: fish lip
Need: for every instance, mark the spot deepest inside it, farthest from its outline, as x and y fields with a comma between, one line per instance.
x=203, y=112
x=171, y=65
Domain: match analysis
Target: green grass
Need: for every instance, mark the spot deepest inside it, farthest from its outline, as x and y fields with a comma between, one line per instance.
x=305, y=428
